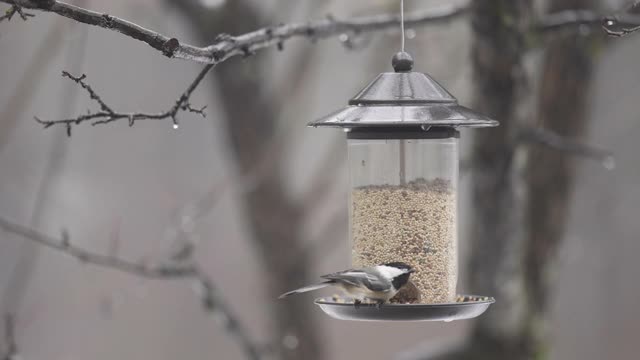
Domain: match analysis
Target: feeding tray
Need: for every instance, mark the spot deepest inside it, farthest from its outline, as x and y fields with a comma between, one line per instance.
x=466, y=307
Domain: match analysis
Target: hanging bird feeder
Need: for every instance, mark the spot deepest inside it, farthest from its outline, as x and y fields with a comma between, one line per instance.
x=402, y=135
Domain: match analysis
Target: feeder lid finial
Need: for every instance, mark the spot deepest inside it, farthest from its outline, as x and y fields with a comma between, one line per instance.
x=402, y=62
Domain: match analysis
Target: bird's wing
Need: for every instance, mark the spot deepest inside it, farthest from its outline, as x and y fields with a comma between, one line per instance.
x=359, y=278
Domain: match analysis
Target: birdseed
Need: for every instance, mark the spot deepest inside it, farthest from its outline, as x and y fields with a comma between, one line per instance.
x=413, y=223
x=409, y=294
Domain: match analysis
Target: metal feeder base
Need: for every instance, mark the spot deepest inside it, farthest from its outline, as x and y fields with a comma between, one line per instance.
x=469, y=307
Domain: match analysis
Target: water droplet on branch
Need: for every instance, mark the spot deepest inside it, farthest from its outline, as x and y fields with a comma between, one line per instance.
x=609, y=163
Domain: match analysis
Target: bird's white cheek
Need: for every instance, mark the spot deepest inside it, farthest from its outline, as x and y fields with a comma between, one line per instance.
x=389, y=272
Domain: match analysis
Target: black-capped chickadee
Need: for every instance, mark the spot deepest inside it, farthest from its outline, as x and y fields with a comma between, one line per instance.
x=377, y=283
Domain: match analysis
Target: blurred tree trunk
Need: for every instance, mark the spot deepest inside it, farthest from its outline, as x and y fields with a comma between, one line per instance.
x=550, y=176
x=521, y=200
x=274, y=217
x=497, y=234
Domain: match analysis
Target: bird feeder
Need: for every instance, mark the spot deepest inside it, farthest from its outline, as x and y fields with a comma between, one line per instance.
x=402, y=136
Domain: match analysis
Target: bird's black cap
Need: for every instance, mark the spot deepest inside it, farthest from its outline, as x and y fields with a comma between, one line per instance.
x=399, y=265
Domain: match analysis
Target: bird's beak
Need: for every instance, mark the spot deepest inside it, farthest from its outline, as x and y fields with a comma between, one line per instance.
x=411, y=271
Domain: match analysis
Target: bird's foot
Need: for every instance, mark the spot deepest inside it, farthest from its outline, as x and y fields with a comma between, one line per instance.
x=379, y=303
x=356, y=304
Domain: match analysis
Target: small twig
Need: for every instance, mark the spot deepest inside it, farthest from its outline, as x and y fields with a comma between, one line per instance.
x=210, y=297
x=107, y=114
x=226, y=46
x=566, y=145
x=15, y=9
x=92, y=94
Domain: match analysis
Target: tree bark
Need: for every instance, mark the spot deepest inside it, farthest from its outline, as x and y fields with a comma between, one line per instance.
x=550, y=178
x=521, y=207
x=497, y=235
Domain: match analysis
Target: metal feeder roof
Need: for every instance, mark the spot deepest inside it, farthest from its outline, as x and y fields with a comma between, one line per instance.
x=404, y=98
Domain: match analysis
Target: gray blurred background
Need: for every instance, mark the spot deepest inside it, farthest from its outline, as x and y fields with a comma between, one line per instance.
x=134, y=192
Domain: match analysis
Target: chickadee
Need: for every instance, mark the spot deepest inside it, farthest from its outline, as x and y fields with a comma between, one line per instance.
x=377, y=283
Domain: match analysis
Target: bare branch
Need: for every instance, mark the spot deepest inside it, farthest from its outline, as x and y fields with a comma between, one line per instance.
x=210, y=297
x=566, y=145
x=626, y=22
x=92, y=94
x=15, y=9
x=568, y=19
x=64, y=245
x=107, y=114
x=554, y=141
x=227, y=46
x=621, y=25
x=224, y=47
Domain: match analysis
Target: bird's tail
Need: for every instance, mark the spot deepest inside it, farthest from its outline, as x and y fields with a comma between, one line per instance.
x=307, y=288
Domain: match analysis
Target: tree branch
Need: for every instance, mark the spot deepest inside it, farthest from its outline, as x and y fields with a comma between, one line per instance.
x=64, y=245
x=210, y=297
x=568, y=19
x=15, y=9
x=623, y=23
x=566, y=145
x=107, y=114
x=226, y=46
